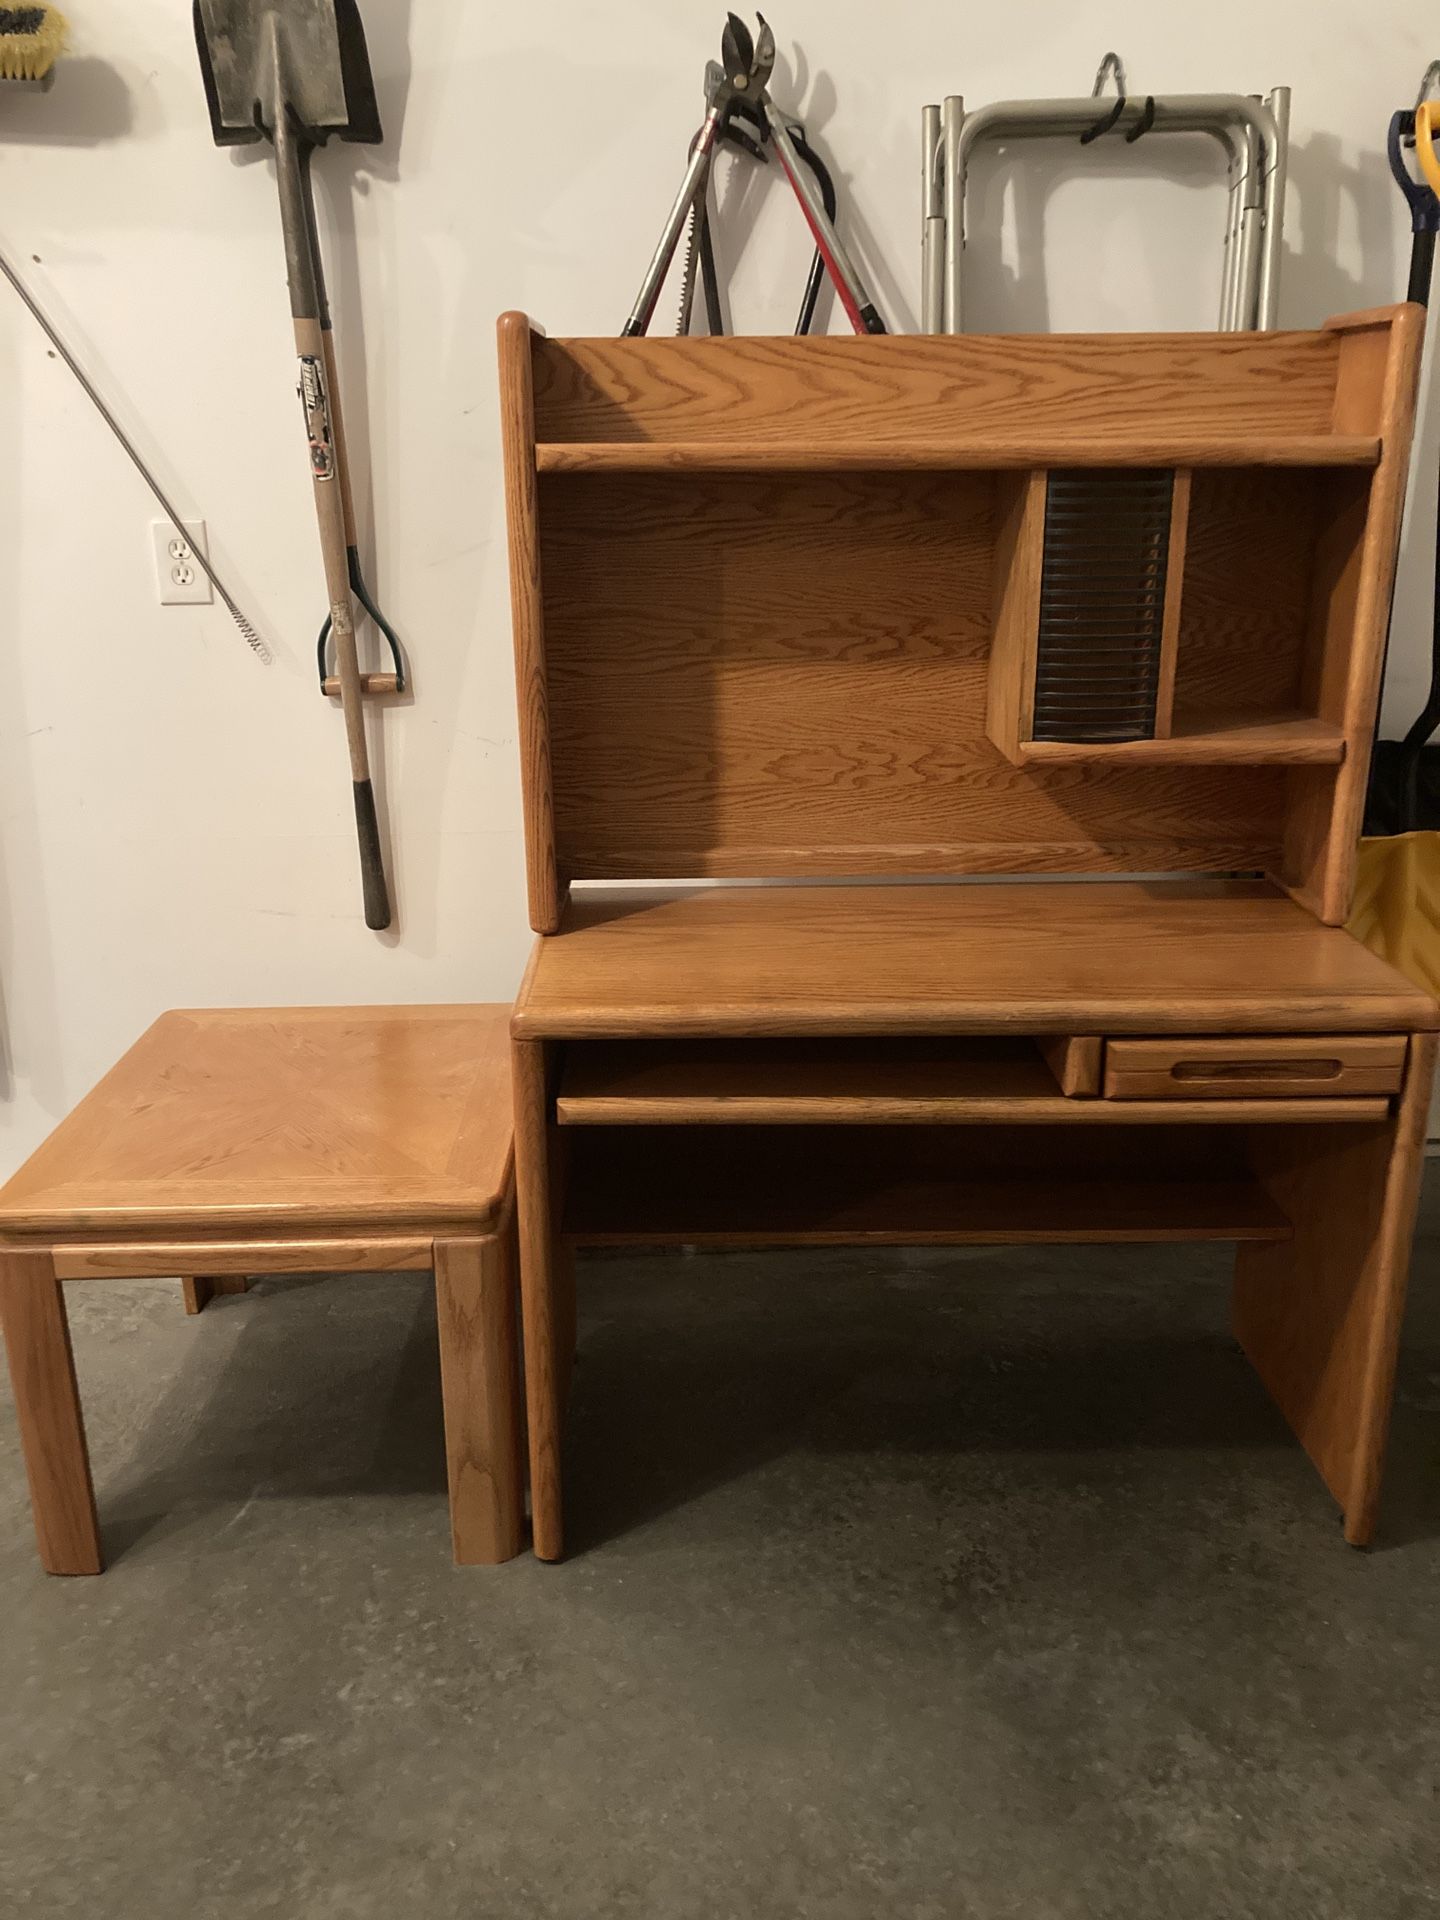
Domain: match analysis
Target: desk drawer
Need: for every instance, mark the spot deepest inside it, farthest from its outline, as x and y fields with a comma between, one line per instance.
x=1258, y=1068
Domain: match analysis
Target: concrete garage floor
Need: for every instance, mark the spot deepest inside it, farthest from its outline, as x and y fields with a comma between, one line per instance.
x=904, y=1586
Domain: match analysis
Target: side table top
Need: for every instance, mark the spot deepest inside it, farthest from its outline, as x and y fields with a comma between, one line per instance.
x=284, y=1117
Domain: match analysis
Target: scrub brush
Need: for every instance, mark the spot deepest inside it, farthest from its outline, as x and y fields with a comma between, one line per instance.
x=31, y=41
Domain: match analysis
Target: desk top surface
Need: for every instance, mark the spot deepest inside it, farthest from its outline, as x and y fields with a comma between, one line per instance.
x=1117, y=957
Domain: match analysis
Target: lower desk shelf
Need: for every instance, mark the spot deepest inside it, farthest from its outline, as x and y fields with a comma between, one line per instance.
x=916, y=1186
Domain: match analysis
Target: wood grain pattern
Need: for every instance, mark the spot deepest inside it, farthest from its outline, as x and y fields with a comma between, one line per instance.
x=371, y=684
x=475, y=1299
x=837, y=723
x=199, y=1292
x=546, y=1358
x=281, y=1140
x=280, y=1121
x=629, y=1083
x=1075, y=1061
x=947, y=389
x=1272, y=1067
x=1111, y=957
x=1376, y=381
x=1245, y=593
x=1014, y=641
x=517, y=342
x=834, y=722
x=761, y=1186
x=1221, y=739
x=1359, y=320
x=1333, y=881
x=773, y=575
x=139, y=1258
x=1170, y=618
x=47, y=1408
x=1324, y=671
x=1320, y=1318
x=872, y=456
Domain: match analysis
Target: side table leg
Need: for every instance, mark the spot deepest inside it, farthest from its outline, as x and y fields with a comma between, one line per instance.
x=541, y=1294
x=199, y=1293
x=480, y=1384
x=47, y=1402
x=1319, y=1315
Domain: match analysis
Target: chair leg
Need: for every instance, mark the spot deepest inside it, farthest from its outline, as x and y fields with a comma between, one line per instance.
x=47, y=1402
x=480, y=1385
x=199, y=1293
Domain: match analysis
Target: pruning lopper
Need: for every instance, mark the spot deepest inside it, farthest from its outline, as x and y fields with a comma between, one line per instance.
x=736, y=91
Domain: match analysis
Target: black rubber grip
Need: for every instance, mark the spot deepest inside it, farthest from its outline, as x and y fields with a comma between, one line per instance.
x=372, y=865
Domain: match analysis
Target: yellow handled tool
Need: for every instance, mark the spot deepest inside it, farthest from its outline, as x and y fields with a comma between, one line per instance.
x=1427, y=114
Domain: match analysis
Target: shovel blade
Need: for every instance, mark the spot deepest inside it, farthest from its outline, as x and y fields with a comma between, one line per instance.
x=307, y=58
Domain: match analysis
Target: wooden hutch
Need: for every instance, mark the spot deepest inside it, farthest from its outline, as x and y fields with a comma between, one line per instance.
x=924, y=638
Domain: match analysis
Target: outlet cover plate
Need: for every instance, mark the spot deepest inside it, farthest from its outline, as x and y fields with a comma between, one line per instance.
x=179, y=582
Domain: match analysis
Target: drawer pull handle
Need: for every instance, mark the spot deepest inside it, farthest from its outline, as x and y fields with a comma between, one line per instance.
x=1255, y=1070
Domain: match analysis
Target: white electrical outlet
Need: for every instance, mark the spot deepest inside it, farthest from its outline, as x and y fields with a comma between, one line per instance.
x=179, y=581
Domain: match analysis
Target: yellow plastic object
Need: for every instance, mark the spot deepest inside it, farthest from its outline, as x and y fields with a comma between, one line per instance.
x=29, y=51
x=1397, y=904
x=1427, y=118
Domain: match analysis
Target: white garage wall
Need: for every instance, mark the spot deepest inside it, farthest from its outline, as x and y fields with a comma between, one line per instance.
x=175, y=821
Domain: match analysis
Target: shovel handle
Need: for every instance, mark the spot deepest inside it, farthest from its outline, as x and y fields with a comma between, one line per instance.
x=337, y=429
x=326, y=470
x=305, y=273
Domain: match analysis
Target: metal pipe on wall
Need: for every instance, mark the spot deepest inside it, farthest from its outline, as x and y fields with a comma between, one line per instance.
x=932, y=223
x=1276, y=172
x=952, y=201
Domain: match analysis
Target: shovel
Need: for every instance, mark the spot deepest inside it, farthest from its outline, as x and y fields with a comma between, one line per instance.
x=296, y=72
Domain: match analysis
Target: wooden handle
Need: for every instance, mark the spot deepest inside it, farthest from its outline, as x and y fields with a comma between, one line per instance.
x=372, y=862
x=326, y=468
x=372, y=685
x=337, y=429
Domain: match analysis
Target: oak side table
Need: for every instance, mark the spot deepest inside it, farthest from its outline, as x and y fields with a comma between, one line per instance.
x=275, y=1141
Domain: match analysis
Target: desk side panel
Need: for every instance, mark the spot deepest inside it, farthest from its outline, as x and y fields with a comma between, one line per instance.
x=517, y=343
x=1320, y=1315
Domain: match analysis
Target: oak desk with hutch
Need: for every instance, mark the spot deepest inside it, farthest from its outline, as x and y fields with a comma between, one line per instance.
x=936, y=615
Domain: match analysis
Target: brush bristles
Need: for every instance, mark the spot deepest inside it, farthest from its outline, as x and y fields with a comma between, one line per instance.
x=31, y=41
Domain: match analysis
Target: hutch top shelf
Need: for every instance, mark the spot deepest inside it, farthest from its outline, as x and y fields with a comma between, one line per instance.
x=933, y=606
x=1293, y=398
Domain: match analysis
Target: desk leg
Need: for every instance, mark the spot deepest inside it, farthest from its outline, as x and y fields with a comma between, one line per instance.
x=1319, y=1315
x=562, y=1256
x=542, y=1287
x=47, y=1402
